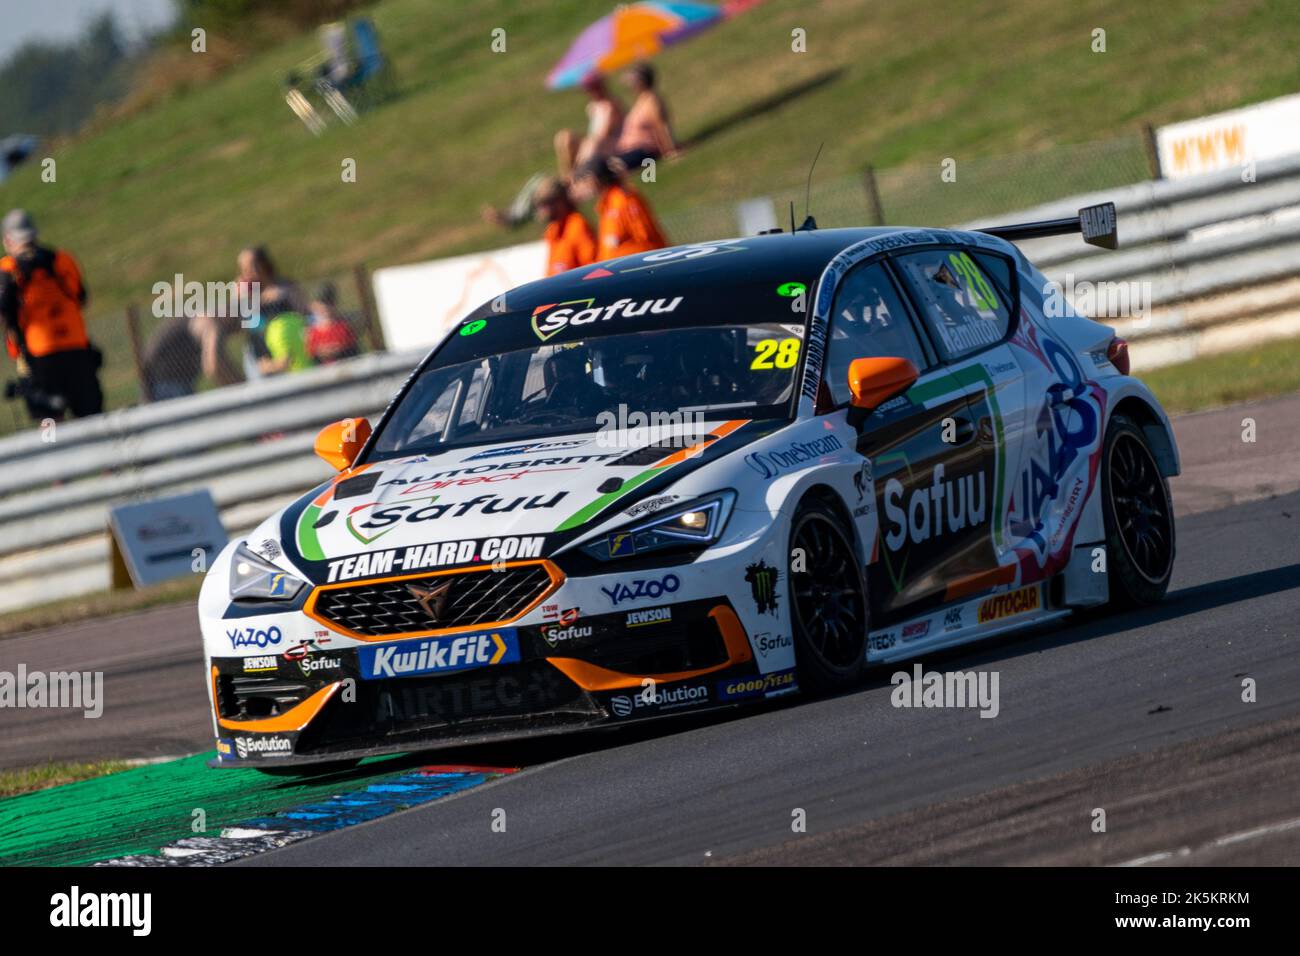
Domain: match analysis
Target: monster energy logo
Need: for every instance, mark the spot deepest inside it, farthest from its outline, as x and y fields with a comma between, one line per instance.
x=762, y=578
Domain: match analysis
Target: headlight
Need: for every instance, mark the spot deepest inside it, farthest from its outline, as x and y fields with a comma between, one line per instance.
x=692, y=526
x=257, y=578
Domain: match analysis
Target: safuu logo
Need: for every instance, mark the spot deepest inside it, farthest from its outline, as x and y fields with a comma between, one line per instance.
x=552, y=318
x=769, y=464
x=557, y=635
x=253, y=637
x=944, y=507
x=643, y=588
x=768, y=644
x=487, y=504
x=310, y=665
x=262, y=746
x=438, y=654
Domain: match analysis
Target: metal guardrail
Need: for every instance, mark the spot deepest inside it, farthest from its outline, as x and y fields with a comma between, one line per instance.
x=1188, y=238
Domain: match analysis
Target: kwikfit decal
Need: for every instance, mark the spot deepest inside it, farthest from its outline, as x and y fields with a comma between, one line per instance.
x=769, y=464
x=433, y=655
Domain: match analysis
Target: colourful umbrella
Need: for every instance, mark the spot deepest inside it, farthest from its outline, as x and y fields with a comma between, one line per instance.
x=632, y=32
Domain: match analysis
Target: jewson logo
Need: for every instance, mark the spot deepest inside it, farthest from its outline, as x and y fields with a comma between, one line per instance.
x=1097, y=300
x=439, y=654
x=769, y=464
x=925, y=689
x=643, y=588
x=56, y=690
x=632, y=429
x=253, y=637
x=553, y=318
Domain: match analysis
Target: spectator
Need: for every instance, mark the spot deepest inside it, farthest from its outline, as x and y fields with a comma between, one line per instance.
x=624, y=222
x=646, y=130
x=42, y=298
x=329, y=337
x=182, y=348
x=604, y=124
x=286, y=344
x=274, y=295
x=569, y=240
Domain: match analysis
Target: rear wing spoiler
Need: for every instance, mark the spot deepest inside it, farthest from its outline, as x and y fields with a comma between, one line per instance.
x=1097, y=224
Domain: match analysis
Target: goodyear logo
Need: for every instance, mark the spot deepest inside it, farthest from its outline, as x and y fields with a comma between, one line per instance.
x=753, y=686
x=1009, y=604
x=434, y=655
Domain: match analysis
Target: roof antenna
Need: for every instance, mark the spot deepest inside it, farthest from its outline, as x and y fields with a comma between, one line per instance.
x=809, y=223
x=792, y=217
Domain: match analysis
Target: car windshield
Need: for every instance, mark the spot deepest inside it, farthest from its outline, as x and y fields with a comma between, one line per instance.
x=734, y=371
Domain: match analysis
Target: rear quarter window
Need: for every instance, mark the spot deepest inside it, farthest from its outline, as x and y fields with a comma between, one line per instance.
x=959, y=298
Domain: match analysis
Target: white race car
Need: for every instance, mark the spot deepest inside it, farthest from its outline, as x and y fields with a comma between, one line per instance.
x=692, y=478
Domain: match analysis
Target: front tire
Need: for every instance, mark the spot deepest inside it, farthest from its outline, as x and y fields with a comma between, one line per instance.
x=828, y=607
x=1139, y=516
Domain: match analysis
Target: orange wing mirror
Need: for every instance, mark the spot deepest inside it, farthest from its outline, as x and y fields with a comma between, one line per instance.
x=874, y=381
x=340, y=443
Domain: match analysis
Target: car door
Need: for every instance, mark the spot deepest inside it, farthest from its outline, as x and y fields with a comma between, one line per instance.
x=963, y=298
x=930, y=470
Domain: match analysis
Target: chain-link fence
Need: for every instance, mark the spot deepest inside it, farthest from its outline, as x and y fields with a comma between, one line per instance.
x=150, y=358
x=946, y=191
x=158, y=348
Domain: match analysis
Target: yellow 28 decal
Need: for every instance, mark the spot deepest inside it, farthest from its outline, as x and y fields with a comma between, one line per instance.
x=775, y=353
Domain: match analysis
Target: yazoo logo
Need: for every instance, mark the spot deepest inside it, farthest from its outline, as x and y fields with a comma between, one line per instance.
x=433, y=655
x=253, y=637
x=643, y=588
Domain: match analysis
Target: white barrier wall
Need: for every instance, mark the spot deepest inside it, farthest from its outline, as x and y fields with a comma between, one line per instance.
x=1229, y=140
x=419, y=303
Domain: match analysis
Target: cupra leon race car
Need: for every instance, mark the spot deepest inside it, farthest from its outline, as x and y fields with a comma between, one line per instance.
x=691, y=478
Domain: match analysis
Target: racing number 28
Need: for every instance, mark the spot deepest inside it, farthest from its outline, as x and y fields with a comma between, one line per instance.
x=775, y=353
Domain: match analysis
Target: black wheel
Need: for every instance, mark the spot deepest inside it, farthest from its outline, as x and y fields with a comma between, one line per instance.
x=310, y=769
x=828, y=606
x=1139, y=517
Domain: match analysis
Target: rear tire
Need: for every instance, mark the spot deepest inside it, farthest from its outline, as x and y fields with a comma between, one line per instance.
x=828, y=607
x=1139, y=516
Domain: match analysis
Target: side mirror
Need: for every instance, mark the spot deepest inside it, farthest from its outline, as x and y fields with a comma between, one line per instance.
x=874, y=381
x=340, y=443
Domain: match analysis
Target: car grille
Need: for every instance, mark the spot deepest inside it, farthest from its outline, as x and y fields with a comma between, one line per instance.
x=472, y=599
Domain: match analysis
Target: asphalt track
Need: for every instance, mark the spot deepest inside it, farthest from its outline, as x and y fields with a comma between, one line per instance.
x=1140, y=715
